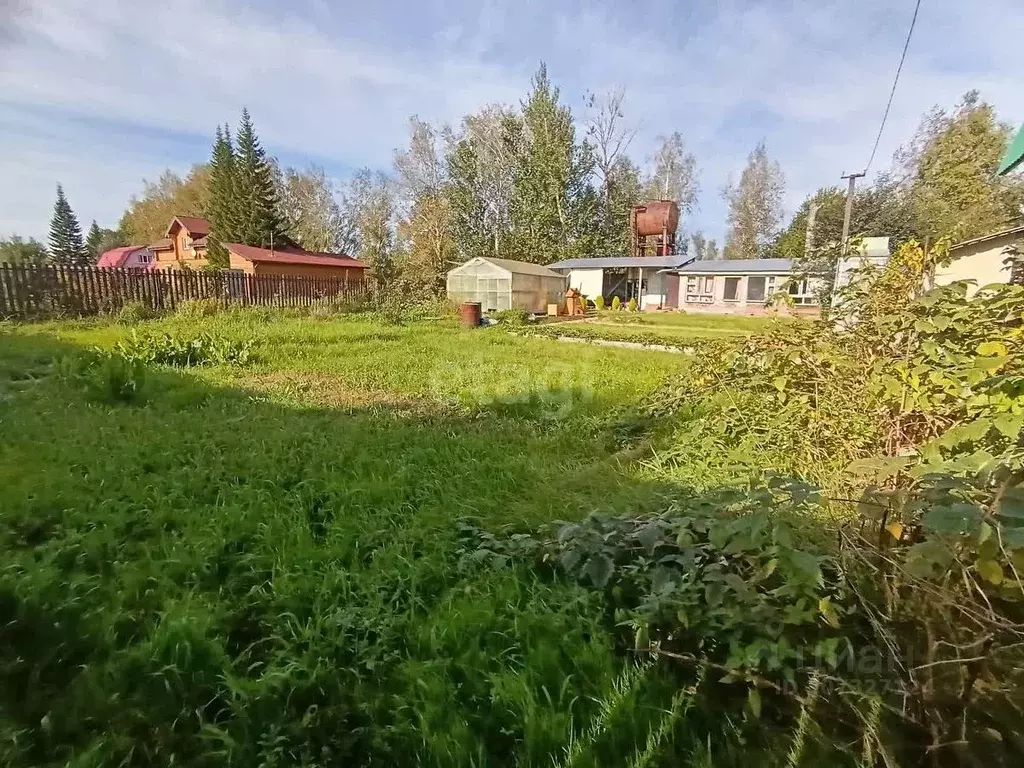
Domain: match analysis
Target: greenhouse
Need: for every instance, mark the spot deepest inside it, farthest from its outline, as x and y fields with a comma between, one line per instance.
x=503, y=284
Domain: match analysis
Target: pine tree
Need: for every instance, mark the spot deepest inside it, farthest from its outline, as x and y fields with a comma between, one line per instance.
x=255, y=199
x=93, y=240
x=66, y=245
x=222, y=211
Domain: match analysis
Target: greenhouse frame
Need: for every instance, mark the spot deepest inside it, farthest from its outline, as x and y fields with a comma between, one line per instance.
x=503, y=284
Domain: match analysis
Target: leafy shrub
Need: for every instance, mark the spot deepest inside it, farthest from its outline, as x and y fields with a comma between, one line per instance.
x=134, y=312
x=434, y=308
x=104, y=377
x=599, y=303
x=515, y=317
x=184, y=352
x=616, y=304
x=632, y=306
x=196, y=309
x=392, y=309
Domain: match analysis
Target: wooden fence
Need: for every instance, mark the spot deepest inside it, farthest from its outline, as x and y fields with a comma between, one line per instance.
x=29, y=292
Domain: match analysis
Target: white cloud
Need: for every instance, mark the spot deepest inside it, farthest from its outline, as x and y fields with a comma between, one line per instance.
x=338, y=83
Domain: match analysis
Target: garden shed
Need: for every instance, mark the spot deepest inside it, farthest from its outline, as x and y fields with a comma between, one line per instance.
x=504, y=284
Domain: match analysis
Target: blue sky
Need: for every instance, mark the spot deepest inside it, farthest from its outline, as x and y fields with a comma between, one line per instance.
x=100, y=94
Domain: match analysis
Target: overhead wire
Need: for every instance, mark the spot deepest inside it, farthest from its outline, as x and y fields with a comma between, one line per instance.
x=895, y=82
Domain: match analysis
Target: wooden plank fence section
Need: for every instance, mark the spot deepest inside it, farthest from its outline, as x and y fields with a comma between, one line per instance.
x=29, y=292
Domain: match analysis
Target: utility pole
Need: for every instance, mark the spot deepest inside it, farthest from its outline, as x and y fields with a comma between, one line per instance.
x=849, y=205
x=812, y=216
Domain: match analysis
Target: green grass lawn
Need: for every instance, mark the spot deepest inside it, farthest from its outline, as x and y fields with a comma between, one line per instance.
x=688, y=325
x=261, y=565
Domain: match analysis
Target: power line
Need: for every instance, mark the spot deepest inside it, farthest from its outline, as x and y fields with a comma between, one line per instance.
x=895, y=82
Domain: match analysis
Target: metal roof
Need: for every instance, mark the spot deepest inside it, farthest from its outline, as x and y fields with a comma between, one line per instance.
x=613, y=262
x=1014, y=154
x=509, y=265
x=737, y=266
x=985, y=238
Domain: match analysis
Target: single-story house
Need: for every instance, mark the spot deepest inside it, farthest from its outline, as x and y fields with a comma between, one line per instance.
x=130, y=257
x=185, y=245
x=503, y=284
x=644, y=278
x=980, y=259
x=743, y=286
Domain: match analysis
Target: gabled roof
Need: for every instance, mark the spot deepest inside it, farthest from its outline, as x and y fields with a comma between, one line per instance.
x=617, y=262
x=737, y=266
x=509, y=265
x=194, y=225
x=985, y=238
x=116, y=257
x=293, y=256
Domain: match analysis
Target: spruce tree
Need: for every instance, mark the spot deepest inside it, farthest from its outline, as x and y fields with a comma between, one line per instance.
x=222, y=207
x=93, y=240
x=66, y=245
x=259, y=222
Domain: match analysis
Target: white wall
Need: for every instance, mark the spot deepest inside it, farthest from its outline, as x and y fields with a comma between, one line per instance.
x=982, y=263
x=589, y=282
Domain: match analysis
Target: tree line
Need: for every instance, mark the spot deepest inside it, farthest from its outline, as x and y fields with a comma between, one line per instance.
x=532, y=182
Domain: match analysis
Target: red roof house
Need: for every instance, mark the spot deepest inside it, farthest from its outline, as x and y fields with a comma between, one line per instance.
x=130, y=257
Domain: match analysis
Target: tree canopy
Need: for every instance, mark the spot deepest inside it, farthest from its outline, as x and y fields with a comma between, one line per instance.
x=755, y=206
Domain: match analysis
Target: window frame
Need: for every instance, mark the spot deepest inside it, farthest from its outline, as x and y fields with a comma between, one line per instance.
x=699, y=289
x=803, y=295
x=725, y=290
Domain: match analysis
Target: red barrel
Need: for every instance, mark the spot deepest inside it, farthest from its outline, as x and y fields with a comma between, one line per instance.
x=470, y=314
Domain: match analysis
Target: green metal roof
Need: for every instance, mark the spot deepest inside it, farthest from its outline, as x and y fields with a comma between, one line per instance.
x=1014, y=154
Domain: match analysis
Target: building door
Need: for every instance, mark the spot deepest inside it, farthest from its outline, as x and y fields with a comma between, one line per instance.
x=614, y=284
x=671, y=290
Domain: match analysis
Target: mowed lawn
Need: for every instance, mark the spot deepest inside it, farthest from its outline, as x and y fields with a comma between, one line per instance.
x=262, y=565
x=688, y=325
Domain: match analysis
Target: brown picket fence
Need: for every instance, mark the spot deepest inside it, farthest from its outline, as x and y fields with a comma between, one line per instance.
x=30, y=292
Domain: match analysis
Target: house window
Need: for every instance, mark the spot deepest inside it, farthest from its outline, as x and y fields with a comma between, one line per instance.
x=146, y=257
x=801, y=293
x=186, y=241
x=700, y=289
x=732, y=289
x=756, y=287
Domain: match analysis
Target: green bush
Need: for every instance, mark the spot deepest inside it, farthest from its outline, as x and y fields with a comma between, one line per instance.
x=134, y=312
x=599, y=303
x=616, y=304
x=632, y=306
x=196, y=309
x=516, y=317
x=392, y=310
x=184, y=351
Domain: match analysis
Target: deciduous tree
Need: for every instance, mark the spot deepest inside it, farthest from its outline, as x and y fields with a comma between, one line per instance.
x=755, y=206
x=16, y=250
x=311, y=212
x=148, y=214
x=425, y=232
x=950, y=168
x=673, y=174
x=372, y=200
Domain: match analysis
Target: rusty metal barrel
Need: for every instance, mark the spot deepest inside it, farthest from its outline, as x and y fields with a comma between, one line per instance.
x=471, y=314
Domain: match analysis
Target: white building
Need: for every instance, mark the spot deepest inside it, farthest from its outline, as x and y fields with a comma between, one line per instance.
x=644, y=278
